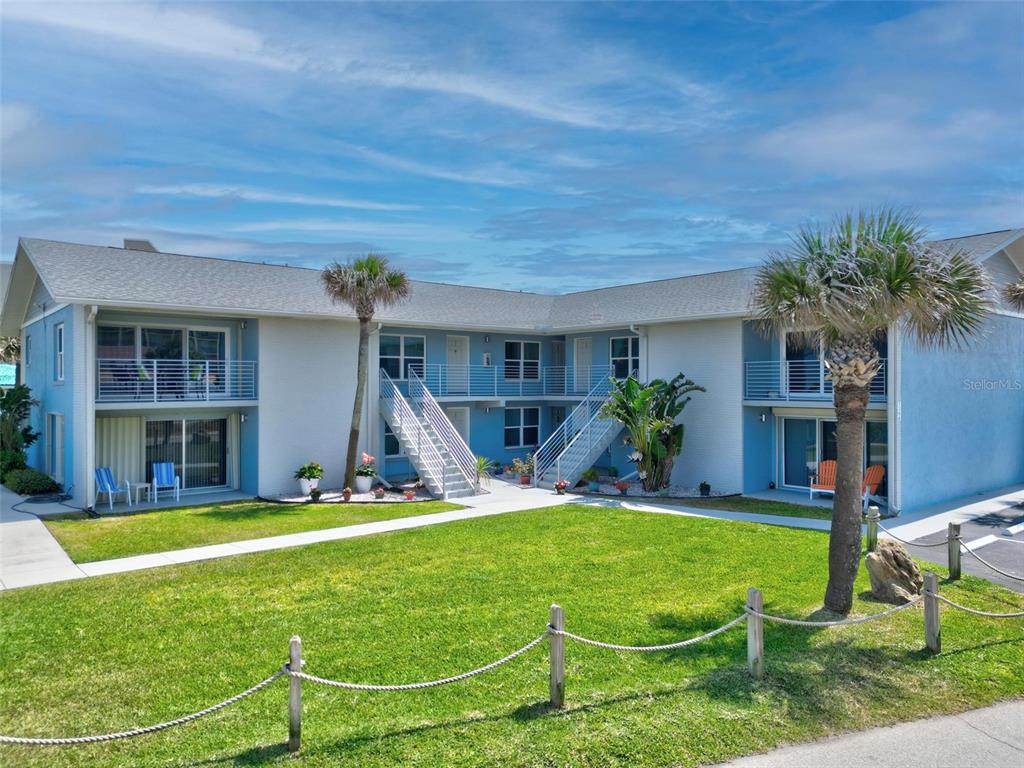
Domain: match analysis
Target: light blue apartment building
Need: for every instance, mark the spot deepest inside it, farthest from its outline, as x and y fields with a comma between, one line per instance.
x=239, y=372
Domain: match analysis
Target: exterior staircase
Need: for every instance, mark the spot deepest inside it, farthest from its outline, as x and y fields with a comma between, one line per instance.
x=441, y=457
x=578, y=442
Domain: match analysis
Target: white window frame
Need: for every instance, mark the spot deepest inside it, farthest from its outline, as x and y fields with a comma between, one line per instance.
x=402, y=357
x=55, y=458
x=522, y=426
x=58, y=349
x=228, y=335
x=632, y=362
x=521, y=361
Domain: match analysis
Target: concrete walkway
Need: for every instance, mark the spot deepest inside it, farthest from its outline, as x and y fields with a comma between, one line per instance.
x=992, y=737
x=29, y=554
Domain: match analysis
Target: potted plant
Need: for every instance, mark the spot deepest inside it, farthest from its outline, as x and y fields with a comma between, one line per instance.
x=378, y=491
x=346, y=494
x=365, y=473
x=523, y=468
x=410, y=494
x=622, y=487
x=560, y=486
x=705, y=488
x=309, y=475
x=592, y=479
x=314, y=494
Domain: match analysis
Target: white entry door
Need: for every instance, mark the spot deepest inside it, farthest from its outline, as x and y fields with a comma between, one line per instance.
x=458, y=364
x=459, y=417
x=583, y=358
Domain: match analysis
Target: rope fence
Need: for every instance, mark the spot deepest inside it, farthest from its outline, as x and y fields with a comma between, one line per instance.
x=555, y=634
x=953, y=543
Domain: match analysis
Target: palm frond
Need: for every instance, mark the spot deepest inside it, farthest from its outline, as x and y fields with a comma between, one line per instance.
x=365, y=284
x=1013, y=294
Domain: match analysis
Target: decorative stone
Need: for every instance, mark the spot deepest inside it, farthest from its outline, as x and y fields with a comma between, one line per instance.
x=895, y=577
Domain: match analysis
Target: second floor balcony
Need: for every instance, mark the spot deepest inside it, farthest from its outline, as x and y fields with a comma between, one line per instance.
x=514, y=378
x=798, y=381
x=174, y=381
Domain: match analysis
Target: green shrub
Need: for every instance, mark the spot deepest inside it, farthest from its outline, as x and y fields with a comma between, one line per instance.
x=29, y=482
x=10, y=459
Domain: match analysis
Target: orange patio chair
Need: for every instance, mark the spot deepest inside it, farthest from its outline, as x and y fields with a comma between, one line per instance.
x=872, y=479
x=825, y=479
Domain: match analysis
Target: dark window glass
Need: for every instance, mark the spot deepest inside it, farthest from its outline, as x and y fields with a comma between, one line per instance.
x=161, y=344
x=115, y=343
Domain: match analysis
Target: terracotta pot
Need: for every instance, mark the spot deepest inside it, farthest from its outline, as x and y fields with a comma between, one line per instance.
x=346, y=495
x=524, y=479
x=410, y=495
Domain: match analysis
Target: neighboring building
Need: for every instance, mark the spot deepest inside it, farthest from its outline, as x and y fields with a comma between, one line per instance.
x=240, y=372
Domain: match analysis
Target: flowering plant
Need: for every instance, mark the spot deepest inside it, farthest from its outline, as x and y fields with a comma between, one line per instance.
x=311, y=470
x=369, y=466
x=622, y=485
x=521, y=467
x=561, y=485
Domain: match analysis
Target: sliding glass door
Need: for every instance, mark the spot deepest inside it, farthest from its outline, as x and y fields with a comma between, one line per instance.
x=807, y=441
x=196, y=447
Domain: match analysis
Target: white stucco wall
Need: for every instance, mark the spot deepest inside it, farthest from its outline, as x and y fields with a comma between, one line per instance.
x=307, y=380
x=710, y=353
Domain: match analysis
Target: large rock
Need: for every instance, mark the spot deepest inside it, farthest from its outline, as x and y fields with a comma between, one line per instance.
x=895, y=578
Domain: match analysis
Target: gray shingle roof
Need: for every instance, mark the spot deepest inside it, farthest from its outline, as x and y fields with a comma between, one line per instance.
x=103, y=275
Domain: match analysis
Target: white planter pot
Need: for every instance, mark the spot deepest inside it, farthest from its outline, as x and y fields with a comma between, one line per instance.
x=305, y=486
x=363, y=484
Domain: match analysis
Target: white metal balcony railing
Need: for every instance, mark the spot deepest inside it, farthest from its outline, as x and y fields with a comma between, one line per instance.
x=797, y=380
x=512, y=380
x=155, y=381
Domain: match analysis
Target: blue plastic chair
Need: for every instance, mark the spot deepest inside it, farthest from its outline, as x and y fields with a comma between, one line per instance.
x=164, y=477
x=105, y=483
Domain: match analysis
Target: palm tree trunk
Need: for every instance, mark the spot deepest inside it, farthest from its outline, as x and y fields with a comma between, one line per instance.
x=851, y=402
x=357, y=404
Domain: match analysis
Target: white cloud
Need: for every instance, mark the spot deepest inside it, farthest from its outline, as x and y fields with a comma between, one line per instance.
x=250, y=194
x=187, y=32
x=385, y=230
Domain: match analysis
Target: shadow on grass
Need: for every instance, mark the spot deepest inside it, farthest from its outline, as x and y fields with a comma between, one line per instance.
x=230, y=513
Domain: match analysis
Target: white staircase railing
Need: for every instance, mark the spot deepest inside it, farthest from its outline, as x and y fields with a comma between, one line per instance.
x=453, y=442
x=410, y=431
x=578, y=425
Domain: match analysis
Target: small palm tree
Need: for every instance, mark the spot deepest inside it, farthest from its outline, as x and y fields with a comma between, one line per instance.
x=846, y=285
x=1014, y=295
x=366, y=284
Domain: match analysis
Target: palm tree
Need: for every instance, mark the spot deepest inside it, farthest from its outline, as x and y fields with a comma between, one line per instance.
x=845, y=286
x=1014, y=295
x=366, y=284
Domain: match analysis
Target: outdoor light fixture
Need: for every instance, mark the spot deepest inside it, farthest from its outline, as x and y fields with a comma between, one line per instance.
x=486, y=339
x=764, y=418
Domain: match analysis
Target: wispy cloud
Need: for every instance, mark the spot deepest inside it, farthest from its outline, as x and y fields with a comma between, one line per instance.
x=381, y=230
x=249, y=194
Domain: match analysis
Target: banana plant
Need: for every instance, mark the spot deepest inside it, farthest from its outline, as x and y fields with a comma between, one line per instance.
x=648, y=413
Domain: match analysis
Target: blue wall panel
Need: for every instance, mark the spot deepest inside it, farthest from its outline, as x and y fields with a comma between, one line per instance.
x=962, y=425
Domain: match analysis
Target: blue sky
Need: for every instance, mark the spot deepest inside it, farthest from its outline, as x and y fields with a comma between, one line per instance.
x=540, y=147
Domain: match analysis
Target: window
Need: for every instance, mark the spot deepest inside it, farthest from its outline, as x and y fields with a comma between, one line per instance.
x=161, y=344
x=58, y=352
x=399, y=354
x=114, y=342
x=28, y=349
x=625, y=355
x=522, y=427
x=522, y=360
x=391, y=445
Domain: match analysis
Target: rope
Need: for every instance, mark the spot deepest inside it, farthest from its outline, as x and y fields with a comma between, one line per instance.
x=418, y=686
x=147, y=729
x=649, y=648
x=947, y=601
x=837, y=622
x=983, y=561
x=892, y=535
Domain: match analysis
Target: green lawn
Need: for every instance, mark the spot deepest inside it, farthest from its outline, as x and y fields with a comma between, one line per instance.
x=86, y=540
x=759, y=507
x=112, y=652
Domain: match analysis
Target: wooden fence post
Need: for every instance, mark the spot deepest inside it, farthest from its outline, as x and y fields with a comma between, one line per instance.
x=932, y=631
x=755, y=634
x=295, y=695
x=557, y=654
x=953, y=541
x=873, y=517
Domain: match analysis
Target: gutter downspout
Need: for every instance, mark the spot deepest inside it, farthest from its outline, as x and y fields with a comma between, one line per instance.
x=372, y=400
x=90, y=406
